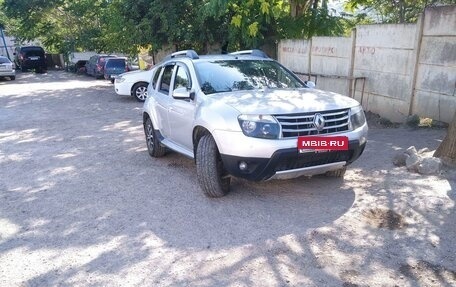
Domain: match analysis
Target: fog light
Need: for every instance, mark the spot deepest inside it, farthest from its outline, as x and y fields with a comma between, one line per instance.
x=242, y=165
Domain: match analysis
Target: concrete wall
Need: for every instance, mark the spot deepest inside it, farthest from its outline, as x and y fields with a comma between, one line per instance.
x=436, y=74
x=386, y=55
x=295, y=55
x=331, y=56
x=409, y=68
x=10, y=45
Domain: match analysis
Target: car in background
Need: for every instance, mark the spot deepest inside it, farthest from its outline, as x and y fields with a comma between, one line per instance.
x=77, y=61
x=30, y=57
x=7, y=68
x=134, y=83
x=114, y=67
x=95, y=65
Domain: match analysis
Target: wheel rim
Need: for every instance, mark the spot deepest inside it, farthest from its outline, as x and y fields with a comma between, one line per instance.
x=141, y=93
x=150, y=135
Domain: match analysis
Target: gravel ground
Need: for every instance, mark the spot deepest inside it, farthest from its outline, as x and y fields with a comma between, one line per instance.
x=82, y=204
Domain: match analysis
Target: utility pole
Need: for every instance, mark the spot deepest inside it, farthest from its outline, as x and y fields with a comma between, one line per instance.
x=4, y=42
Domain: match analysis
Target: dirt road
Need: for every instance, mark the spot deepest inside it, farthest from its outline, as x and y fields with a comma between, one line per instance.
x=82, y=204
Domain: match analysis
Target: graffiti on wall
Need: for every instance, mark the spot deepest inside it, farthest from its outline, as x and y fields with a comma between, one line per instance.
x=324, y=51
x=366, y=50
x=298, y=50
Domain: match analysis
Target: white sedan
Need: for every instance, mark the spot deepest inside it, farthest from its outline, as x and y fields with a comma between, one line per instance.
x=134, y=83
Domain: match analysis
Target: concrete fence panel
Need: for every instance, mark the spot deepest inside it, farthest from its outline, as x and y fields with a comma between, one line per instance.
x=386, y=56
x=331, y=61
x=295, y=55
x=436, y=74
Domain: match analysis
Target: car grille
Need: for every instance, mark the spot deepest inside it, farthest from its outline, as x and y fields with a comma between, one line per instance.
x=312, y=159
x=294, y=125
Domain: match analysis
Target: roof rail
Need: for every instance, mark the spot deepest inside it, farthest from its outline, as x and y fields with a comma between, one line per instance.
x=185, y=53
x=254, y=52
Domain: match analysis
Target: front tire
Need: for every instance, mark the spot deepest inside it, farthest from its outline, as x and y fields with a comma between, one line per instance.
x=154, y=146
x=139, y=91
x=212, y=176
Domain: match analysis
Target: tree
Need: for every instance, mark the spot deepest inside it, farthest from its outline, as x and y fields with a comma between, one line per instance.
x=61, y=25
x=253, y=23
x=393, y=11
x=126, y=25
x=447, y=149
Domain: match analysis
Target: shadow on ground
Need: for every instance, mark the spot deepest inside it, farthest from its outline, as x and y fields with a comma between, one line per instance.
x=83, y=204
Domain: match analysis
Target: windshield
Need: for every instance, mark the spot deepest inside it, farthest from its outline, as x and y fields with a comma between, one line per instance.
x=233, y=75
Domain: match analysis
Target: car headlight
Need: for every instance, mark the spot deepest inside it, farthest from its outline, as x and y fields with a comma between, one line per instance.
x=357, y=118
x=120, y=79
x=259, y=126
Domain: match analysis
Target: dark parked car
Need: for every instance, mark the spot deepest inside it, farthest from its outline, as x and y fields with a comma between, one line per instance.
x=95, y=65
x=114, y=67
x=30, y=57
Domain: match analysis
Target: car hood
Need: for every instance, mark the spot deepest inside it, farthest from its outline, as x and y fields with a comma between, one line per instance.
x=136, y=73
x=277, y=101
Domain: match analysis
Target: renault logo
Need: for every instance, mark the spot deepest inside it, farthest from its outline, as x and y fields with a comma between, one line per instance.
x=319, y=122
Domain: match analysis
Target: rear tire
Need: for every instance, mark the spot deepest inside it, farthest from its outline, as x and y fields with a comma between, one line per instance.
x=154, y=146
x=12, y=78
x=23, y=69
x=212, y=176
x=139, y=91
x=337, y=173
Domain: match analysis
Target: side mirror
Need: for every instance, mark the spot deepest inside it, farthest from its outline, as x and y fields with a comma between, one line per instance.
x=181, y=93
x=310, y=84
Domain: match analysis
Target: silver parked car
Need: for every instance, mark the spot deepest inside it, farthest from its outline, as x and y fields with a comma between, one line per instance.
x=7, y=68
x=245, y=115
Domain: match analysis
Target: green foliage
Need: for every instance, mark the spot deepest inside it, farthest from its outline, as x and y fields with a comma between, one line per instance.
x=393, y=11
x=315, y=22
x=181, y=23
x=127, y=25
x=61, y=25
x=251, y=22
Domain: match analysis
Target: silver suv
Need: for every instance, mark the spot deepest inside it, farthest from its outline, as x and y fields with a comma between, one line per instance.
x=245, y=115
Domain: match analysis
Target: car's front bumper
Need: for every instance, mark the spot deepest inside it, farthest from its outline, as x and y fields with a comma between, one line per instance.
x=235, y=143
x=123, y=89
x=289, y=163
x=280, y=158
